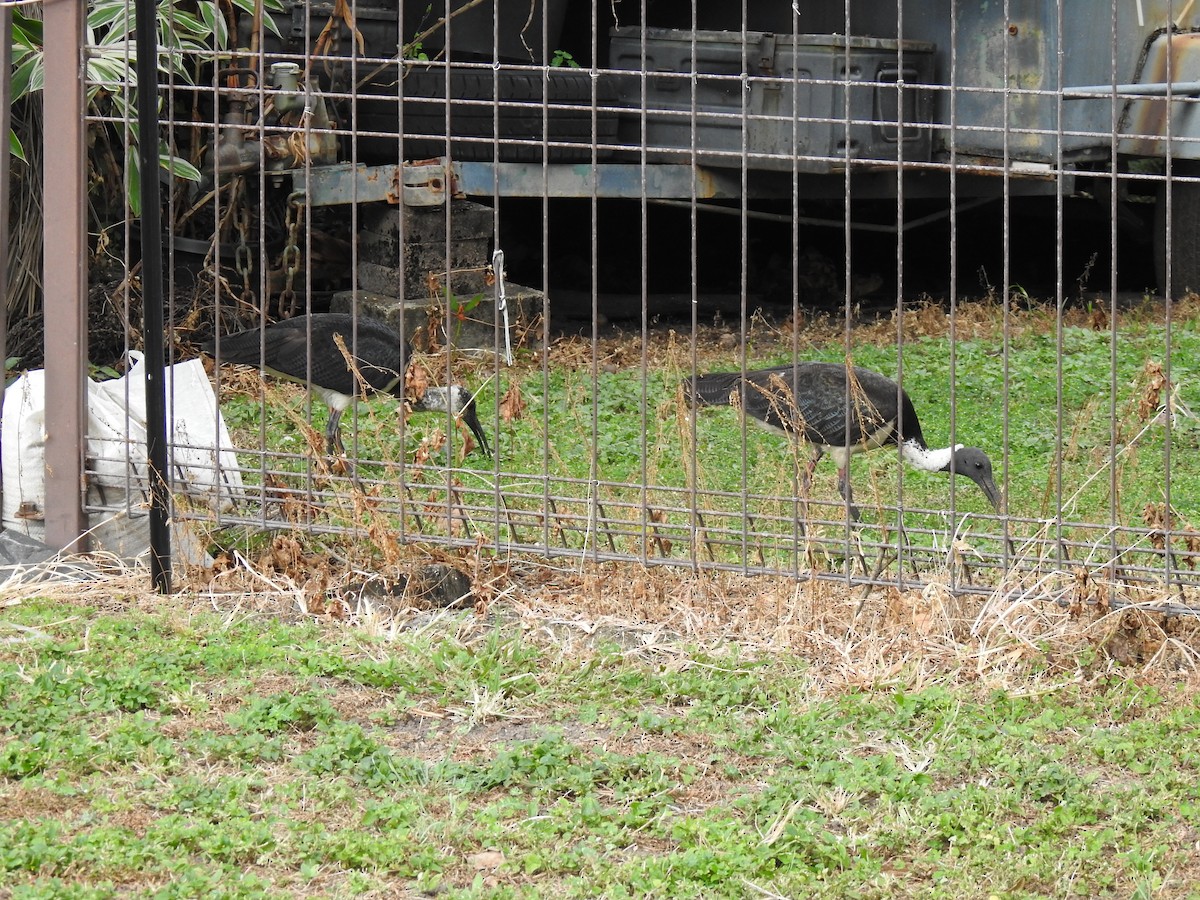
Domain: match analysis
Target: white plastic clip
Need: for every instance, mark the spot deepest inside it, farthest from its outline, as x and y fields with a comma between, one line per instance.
x=502, y=302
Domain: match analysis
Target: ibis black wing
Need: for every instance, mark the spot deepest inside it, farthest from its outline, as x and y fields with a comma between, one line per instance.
x=283, y=349
x=809, y=399
x=713, y=389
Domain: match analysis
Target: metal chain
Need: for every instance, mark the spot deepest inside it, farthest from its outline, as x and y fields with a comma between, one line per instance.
x=290, y=262
x=243, y=261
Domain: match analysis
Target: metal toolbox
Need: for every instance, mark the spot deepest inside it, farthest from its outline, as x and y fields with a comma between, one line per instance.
x=810, y=101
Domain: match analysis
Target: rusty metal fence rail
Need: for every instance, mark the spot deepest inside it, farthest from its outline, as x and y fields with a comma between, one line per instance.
x=574, y=211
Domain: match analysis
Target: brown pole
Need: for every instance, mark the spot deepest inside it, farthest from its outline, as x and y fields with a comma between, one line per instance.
x=64, y=269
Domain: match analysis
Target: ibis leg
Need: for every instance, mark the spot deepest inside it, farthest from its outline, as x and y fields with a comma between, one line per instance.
x=806, y=482
x=801, y=506
x=335, y=447
x=804, y=487
x=847, y=494
x=903, y=544
x=333, y=434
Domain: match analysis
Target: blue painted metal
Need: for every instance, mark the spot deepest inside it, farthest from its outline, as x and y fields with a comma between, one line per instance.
x=630, y=181
x=341, y=184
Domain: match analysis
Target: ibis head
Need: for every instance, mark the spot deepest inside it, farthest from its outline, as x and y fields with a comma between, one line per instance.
x=976, y=465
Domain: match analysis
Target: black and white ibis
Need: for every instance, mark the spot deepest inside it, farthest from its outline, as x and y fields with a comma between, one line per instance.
x=303, y=349
x=807, y=401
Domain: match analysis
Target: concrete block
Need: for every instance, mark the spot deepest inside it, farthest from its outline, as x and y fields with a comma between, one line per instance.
x=425, y=225
x=474, y=320
x=421, y=263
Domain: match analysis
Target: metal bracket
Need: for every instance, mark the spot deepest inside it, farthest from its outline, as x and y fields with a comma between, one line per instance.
x=766, y=54
x=426, y=182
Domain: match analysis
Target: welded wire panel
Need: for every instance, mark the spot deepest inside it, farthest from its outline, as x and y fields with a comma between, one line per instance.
x=990, y=205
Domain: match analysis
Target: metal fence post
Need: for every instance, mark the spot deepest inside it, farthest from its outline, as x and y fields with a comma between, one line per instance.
x=65, y=274
x=152, y=296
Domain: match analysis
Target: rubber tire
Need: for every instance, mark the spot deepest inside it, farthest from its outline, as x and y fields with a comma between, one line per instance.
x=1183, y=247
x=567, y=104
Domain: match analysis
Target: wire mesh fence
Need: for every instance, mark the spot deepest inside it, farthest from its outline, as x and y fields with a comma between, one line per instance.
x=577, y=212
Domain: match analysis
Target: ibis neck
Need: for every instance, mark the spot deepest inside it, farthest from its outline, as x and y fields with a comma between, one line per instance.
x=443, y=399
x=926, y=458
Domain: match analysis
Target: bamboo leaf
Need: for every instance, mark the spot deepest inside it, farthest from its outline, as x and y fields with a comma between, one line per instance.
x=27, y=32
x=133, y=181
x=15, y=148
x=177, y=166
x=114, y=16
x=247, y=6
x=27, y=77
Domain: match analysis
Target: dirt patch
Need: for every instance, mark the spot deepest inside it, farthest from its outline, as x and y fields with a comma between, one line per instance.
x=22, y=801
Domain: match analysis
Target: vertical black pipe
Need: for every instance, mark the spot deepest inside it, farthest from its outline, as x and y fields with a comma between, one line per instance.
x=152, y=294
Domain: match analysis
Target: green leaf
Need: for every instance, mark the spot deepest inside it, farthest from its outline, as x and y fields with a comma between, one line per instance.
x=109, y=73
x=214, y=22
x=247, y=6
x=177, y=166
x=179, y=22
x=133, y=181
x=15, y=148
x=27, y=32
x=27, y=78
x=113, y=16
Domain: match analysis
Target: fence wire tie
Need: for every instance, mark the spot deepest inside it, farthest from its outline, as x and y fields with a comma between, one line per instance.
x=502, y=302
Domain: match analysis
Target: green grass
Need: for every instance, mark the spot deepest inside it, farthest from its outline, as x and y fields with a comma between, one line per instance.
x=180, y=753
x=623, y=429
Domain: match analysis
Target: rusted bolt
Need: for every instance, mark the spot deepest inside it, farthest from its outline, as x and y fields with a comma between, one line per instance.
x=1012, y=30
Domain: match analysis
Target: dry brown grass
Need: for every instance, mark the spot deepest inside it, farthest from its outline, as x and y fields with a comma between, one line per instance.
x=715, y=345
x=1004, y=636
x=853, y=637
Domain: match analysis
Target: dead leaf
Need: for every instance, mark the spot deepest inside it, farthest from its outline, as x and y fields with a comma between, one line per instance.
x=1192, y=542
x=1152, y=394
x=432, y=329
x=416, y=381
x=433, y=443
x=485, y=859
x=512, y=404
x=1085, y=592
x=468, y=439
x=1157, y=520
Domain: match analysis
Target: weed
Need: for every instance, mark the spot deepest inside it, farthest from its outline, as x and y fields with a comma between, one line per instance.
x=325, y=761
